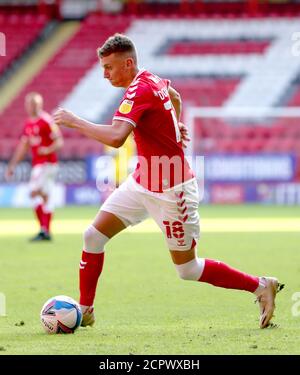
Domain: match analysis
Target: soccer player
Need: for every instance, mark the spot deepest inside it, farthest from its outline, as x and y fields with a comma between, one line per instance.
x=44, y=138
x=162, y=186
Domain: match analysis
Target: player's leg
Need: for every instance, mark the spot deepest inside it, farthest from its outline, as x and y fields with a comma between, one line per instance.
x=122, y=208
x=48, y=209
x=37, y=202
x=42, y=183
x=38, y=198
x=104, y=227
x=190, y=267
x=48, y=184
x=181, y=227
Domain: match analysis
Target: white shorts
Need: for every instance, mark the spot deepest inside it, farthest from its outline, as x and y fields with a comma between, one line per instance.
x=43, y=177
x=175, y=210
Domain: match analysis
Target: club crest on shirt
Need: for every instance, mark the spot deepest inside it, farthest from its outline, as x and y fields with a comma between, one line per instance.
x=126, y=106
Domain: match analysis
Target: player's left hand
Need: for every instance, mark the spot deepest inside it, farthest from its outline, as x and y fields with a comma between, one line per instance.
x=9, y=172
x=184, y=134
x=62, y=117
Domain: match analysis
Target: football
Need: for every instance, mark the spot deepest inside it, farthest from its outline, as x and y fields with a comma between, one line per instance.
x=61, y=314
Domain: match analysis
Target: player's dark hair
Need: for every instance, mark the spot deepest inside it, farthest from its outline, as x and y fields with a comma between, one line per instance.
x=118, y=43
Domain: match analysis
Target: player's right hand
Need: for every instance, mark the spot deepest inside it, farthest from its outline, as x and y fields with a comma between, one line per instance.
x=184, y=134
x=64, y=118
x=9, y=172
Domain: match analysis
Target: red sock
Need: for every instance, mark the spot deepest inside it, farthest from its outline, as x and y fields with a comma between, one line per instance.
x=89, y=271
x=220, y=274
x=47, y=220
x=39, y=214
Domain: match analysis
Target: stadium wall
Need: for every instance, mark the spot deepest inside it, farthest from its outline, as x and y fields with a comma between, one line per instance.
x=217, y=193
x=267, y=179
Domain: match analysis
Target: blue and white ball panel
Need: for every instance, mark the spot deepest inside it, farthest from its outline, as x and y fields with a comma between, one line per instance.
x=61, y=314
x=68, y=314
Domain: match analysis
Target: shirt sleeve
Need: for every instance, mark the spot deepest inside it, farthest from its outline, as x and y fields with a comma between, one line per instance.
x=136, y=101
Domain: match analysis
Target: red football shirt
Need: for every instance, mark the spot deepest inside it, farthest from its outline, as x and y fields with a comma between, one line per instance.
x=39, y=133
x=146, y=105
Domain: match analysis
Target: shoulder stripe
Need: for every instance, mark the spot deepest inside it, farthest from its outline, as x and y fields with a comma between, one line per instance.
x=130, y=96
x=135, y=82
x=132, y=88
x=125, y=119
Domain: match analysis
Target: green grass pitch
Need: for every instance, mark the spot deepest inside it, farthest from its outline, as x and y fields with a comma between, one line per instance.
x=142, y=307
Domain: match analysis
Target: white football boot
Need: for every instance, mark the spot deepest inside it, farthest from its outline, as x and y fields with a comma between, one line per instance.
x=266, y=300
x=88, y=316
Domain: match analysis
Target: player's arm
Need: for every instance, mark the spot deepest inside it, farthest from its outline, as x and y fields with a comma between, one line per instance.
x=176, y=101
x=57, y=143
x=111, y=135
x=177, y=104
x=18, y=155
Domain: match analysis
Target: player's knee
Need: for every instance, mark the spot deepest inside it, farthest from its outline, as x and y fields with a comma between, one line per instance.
x=34, y=193
x=93, y=240
x=191, y=270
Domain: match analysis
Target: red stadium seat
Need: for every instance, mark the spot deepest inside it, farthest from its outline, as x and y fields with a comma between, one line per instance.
x=7, y=147
x=18, y=42
x=61, y=74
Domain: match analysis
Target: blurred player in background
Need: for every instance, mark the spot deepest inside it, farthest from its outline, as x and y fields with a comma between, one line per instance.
x=162, y=186
x=44, y=139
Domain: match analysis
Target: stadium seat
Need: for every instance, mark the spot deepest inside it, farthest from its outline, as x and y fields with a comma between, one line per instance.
x=28, y=31
x=7, y=147
x=62, y=72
